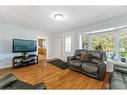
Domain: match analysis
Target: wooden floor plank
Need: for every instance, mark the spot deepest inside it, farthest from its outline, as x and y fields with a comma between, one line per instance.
x=55, y=78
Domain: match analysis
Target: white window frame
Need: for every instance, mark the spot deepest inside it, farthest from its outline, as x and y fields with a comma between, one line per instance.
x=116, y=41
x=67, y=35
x=90, y=38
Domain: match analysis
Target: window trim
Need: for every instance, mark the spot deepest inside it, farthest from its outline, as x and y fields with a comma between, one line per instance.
x=64, y=38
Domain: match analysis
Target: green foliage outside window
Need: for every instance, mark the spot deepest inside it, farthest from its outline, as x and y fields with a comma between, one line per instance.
x=104, y=41
x=123, y=55
x=123, y=44
x=85, y=41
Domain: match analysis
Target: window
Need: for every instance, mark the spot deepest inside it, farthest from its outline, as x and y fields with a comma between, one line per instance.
x=123, y=44
x=100, y=41
x=68, y=44
x=85, y=41
x=114, y=43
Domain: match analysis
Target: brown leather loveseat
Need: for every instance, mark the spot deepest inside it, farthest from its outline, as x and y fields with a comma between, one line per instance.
x=88, y=62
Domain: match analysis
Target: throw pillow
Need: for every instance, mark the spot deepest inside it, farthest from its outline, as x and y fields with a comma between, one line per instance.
x=85, y=57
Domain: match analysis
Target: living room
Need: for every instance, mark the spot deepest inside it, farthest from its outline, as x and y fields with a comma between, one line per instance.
x=63, y=47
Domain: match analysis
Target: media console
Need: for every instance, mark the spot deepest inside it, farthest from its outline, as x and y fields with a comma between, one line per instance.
x=20, y=61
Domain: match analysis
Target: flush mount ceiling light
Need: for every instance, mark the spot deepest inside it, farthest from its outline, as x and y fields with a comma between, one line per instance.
x=59, y=16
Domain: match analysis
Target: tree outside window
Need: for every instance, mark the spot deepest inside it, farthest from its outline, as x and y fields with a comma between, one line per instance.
x=104, y=41
x=85, y=41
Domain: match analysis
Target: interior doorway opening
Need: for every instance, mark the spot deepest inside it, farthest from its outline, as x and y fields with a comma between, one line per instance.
x=42, y=49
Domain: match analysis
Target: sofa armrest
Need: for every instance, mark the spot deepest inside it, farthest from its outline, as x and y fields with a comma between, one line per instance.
x=101, y=70
x=121, y=68
x=101, y=64
x=40, y=86
x=7, y=80
x=69, y=58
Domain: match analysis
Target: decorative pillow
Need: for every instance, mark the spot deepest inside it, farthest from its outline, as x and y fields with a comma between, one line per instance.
x=85, y=57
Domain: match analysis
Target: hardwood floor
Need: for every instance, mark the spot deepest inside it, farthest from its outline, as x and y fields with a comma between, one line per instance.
x=55, y=78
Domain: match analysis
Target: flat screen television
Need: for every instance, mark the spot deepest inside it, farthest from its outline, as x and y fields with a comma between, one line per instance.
x=20, y=45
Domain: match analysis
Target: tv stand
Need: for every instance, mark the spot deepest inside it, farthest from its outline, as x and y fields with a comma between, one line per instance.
x=21, y=61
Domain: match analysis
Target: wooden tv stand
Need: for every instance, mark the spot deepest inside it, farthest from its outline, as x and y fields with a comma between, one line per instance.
x=21, y=61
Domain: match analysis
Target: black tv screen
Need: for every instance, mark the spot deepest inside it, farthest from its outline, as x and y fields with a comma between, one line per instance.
x=20, y=45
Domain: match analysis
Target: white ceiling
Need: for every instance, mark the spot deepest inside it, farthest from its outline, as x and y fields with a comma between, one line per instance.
x=41, y=17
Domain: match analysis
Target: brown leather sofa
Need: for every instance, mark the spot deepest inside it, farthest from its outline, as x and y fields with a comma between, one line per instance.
x=95, y=67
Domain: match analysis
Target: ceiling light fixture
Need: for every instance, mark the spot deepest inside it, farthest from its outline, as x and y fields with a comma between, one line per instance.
x=59, y=16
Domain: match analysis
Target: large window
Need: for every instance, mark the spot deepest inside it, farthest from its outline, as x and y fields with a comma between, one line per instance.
x=103, y=41
x=68, y=43
x=114, y=43
x=100, y=41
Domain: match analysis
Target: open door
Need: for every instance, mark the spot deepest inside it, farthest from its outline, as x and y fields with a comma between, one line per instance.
x=41, y=49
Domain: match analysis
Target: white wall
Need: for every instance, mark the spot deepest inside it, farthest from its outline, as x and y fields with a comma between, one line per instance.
x=9, y=32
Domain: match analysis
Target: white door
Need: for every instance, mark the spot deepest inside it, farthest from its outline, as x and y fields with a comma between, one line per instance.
x=58, y=47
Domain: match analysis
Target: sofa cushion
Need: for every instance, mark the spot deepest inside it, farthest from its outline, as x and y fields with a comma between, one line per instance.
x=117, y=81
x=85, y=57
x=89, y=68
x=116, y=76
x=117, y=84
x=75, y=63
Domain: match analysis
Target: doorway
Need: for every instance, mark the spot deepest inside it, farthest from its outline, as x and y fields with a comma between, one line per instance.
x=41, y=49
